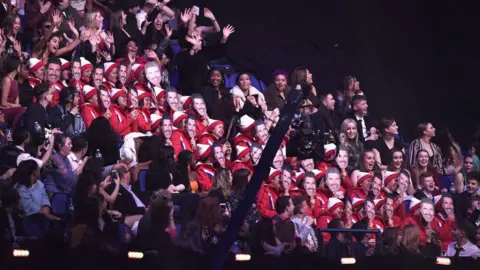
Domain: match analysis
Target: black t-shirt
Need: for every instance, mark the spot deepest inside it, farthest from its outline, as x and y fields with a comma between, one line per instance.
x=385, y=152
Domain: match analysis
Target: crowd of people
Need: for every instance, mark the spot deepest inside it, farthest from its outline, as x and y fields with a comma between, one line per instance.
x=88, y=110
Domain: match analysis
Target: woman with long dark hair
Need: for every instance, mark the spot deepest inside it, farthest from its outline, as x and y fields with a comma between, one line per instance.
x=33, y=197
x=163, y=172
x=217, y=97
x=451, y=152
x=302, y=76
x=13, y=32
x=239, y=184
x=10, y=102
x=383, y=146
x=101, y=136
x=423, y=165
x=276, y=93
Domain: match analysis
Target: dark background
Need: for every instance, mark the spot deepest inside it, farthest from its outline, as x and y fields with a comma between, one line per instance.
x=416, y=60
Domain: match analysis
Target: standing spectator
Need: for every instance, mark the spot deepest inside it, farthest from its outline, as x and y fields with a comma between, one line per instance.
x=302, y=76
x=366, y=132
x=217, y=98
x=349, y=137
x=11, y=107
x=239, y=184
x=36, y=11
x=425, y=133
x=303, y=223
x=461, y=177
x=387, y=142
x=193, y=61
x=100, y=136
x=61, y=178
x=12, y=29
x=276, y=93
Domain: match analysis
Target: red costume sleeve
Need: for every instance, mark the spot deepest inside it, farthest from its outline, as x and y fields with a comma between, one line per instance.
x=122, y=125
x=88, y=115
x=445, y=234
x=264, y=204
x=143, y=124
x=180, y=143
x=205, y=182
x=322, y=223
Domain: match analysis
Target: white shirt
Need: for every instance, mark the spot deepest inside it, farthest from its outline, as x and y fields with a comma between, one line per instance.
x=74, y=161
x=137, y=200
x=469, y=250
x=364, y=126
x=26, y=156
x=141, y=17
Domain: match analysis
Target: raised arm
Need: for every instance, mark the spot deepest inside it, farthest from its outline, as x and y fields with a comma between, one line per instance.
x=168, y=11
x=215, y=28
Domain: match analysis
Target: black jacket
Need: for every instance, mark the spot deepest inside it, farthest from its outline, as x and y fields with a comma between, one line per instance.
x=368, y=122
x=8, y=157
x=125, y=203
x=36, y=113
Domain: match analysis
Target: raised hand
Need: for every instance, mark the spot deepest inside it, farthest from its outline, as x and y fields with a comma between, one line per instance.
x=227, y=31
x=106, y=56
x=17, y=47
x=57, y=17
x=168, y=30
x=186, y=15
x=110, y=38
x=208, y=14
x=71, y=22
x=151, y=54
x=45, y=7
x=3, y=38
x=132, y=57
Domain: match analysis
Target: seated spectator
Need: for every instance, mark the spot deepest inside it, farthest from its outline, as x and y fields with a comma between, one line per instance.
x=10, y=102
x=10, y=154
x=336, y=247
x=36, y=117
x=11, y=222
x=461, y=177
x=423, y=165
x=209, y=216
x=348, y=137
x=427, y=187
x=284, y=208
x=126, y=202
x=66, y=115
x=61, y=176
x=33, y=198
x=77, y=156
x=303, y=223
x=163, y=173
x=391, y=239
x=362, y=246
x=463, y=200
x=462, y=247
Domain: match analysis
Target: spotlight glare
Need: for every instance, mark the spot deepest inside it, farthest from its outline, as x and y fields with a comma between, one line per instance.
x=348, y=260
x=443, y=261
x=242, y=257
x=21, y=253
x=135, y=255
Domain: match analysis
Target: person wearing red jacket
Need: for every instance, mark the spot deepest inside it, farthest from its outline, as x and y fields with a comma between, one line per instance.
x=144, y=105
x=425, y=221
x=387, y=217
x=205, y=170
x=219, y=159
x=90, y=108
x=267, y=197
x=317, y=202
x=445, y=219
x=364, y=184
x=110, y=70
x=200, y=111
x=334, y=211
x=36, y=69
x=54, y=69
x=181, y=141
x=121, y=120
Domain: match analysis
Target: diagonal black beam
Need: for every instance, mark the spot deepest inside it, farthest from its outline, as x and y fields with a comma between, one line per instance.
x=261, y=172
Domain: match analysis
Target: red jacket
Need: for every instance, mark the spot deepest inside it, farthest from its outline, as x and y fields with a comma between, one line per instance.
x=180, y=142
x=320, y=206
x=357, y=193
x=108, y=85
x=56, y=94
x=79, y=85
x=417, y=221
x=205, y=175
x=397, y=222
x=199, y=127
x=89, y=113
x=446, y=228
x=120, y=120
x=322, y=167
x=266, y=198
x=143, y=122
x=322, y=223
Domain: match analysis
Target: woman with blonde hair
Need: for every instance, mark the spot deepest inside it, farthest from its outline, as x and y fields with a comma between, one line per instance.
x=99, y=40
x=410, y=240
x=349, y=138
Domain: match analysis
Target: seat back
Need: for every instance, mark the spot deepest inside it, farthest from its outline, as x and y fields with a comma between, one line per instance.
x=125, y=233
x=32, y=230
x=60, y=204
x=142, y=178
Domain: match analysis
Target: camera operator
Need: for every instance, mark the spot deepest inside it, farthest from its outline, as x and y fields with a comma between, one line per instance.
x=324, y=120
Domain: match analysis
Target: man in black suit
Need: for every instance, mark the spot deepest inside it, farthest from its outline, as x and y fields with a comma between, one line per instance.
x=324, y=119
x=463, y=201
x=365, y=129
x=127, y=202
